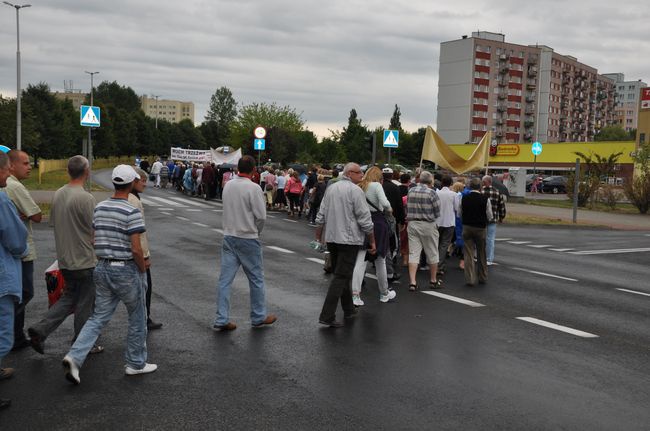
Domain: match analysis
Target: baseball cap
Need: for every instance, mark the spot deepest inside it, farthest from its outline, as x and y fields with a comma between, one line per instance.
x=387, y=170
x=124, y=174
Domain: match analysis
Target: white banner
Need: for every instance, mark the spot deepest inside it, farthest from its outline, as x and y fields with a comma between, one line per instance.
x=190, y=155
x=220, y=158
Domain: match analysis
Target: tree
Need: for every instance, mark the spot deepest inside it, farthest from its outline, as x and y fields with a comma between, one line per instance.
x=355, y=139
x=596, y=169
x=395, y=123
x=221, y=114
x=612, y=133
x=637, y=189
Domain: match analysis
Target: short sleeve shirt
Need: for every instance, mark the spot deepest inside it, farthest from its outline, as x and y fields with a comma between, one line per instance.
x=114, y=221
x=26, y=206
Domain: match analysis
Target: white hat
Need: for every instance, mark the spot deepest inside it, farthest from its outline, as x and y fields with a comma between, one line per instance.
x=124, y=174
x=387, y=170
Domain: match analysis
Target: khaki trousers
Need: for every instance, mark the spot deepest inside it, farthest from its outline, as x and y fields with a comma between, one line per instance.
x=474, y=238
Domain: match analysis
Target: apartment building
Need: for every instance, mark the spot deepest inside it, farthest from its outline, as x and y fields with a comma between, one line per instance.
x=628, y=94
x=523, y=93
x=169, y=110
x=77, y=97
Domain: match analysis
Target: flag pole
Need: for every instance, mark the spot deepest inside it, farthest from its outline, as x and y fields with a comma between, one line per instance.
x=487, y=157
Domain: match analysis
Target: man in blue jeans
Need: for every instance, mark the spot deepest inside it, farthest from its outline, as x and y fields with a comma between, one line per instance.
x=498, y=203
x=13, y=246
x=244, y=213
x=118, y=276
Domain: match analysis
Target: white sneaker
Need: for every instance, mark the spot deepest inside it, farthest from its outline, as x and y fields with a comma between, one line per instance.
x=148, y=368
x=71, y=370
x=391, y=295
x=356, y=300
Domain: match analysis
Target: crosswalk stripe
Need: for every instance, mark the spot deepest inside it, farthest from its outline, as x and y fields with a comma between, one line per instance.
x=316, y=260
x=200, y=224
x=455, y=299
x=373, y=276
x=280, y=249
x=290, y=221
x=182, y=218
x=545, y=274
x=189, y=202
x=166, y=201
x=148, y=202
x=218, y=230
x=558, y=327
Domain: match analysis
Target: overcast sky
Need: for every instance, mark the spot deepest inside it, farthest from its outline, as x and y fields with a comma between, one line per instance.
x=322, y=57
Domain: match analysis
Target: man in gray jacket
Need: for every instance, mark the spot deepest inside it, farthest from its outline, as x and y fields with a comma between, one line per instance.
x=346, y=214
x=244, y=213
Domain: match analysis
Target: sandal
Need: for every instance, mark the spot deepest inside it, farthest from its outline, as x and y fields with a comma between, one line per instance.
x=435, y=284
x=413, y=287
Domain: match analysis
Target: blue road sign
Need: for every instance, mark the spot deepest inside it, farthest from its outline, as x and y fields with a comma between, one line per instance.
x=536, y=148
x=391, y=138
x=259, y=144
x=89, y=116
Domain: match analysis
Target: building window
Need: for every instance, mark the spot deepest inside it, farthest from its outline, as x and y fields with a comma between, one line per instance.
x=630, y=96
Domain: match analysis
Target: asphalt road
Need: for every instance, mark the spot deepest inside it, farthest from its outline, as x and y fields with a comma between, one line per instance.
x=490, y=361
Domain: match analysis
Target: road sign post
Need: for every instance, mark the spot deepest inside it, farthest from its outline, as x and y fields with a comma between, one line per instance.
x=90, y=117
x=259, y=143
x=536, y=149
x=391, y=140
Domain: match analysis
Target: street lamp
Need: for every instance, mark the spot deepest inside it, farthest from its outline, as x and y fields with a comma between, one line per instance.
x=18, y=115
x=90, y=145
x=156, y=97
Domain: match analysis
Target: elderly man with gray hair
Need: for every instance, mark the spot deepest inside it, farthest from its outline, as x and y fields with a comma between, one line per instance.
x=348, y=224
x=422, y=209
x=476, y=213
x=71, y=216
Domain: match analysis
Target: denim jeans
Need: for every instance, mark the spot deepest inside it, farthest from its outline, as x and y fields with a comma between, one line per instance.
x=246, y=253
x=7, y=304
x=489, y=241
x=115, y=283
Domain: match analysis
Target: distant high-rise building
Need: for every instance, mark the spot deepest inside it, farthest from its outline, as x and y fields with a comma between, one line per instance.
x=522, y=93
x=77, y=97
x=169, y=110
x=628, y=94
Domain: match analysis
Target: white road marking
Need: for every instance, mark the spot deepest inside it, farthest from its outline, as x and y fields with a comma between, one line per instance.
x=148, y=202
x=200, y=224
x=633, y=291
x=164, y=213
x=538, y=245
x=316, y=260
x=267, y=216
x=561, y=249
x=373, y=276
x=193, y=210
x=290, y=221
x=166, y=201
x=217, y=211
x=189, y=202
x=502, y=239
x=612, y=251
x=280, y=249
x=182, y=218
x=454, y=298
x=558, y=327
x=545, y=274
x=518, y=242
x=218, y=230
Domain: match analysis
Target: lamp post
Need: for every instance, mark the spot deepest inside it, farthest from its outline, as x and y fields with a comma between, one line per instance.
x=90, y=145
x=18, y=113
x=156, y=97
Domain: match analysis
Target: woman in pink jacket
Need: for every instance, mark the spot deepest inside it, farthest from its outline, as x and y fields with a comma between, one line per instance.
x=293, y=189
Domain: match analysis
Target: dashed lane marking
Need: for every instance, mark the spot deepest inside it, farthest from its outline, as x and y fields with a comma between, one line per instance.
x=316, y=260
x=164, y=213
x=633, y=291
x=518, y=242
x=193, y=210
x=267, y=216
x=561, y=249
x=612, y=251
x=290, y=221
x=182, y=218
x=218, y=230
x=280, y=249
x=373, y=276
x=200, y=224
x=545, y=274
x=148, y=202
x=217, y=211
x=539, y=245
x=503, y=239
x=455, y=299
x=166, y=201
x=558, y=327
x=189, y=202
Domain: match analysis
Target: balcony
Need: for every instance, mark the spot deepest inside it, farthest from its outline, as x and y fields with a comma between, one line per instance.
x=531, y=85
x=532, y=71
x=499, y=121
x=532, y=59
x=504, y=69
x=530, y=98
x=502, y=95
x=530, y=110
x=529, y=123
x=502, y=107
x=502, y=83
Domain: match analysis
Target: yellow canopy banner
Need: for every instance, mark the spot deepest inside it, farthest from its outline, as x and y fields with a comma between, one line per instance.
x=436, y=150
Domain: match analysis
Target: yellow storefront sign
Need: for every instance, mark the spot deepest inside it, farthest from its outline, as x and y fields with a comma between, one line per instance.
x=507, y=150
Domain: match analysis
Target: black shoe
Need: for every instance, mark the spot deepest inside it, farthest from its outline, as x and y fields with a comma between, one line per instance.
x=36, y=341
x=152, y=326
x=20, y=345
x=351, y=315
x=331, y=324
x=4, y=403
x=395, y=278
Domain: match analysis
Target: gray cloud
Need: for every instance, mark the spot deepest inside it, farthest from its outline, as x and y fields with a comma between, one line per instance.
x=323, y=58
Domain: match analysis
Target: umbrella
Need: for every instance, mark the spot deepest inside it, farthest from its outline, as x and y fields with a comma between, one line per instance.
x=298, y=167
x=227, y=166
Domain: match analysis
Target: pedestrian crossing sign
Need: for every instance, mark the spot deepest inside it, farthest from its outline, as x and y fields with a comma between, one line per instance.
x=259, y=144
x=391, y=138
x=89, y=116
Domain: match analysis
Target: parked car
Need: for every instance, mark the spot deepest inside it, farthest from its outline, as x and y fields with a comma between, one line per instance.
x=555, y=184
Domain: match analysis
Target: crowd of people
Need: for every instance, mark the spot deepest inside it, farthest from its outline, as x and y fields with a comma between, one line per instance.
x=379, y=216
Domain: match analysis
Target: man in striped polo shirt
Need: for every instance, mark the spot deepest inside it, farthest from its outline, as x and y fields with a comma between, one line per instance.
x=118, y=276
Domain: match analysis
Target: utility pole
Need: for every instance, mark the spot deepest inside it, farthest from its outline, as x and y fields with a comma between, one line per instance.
x=18, y=95
x=156, y=97
x=90, y=144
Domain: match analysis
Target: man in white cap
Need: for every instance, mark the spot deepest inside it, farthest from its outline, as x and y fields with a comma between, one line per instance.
x=118, y=276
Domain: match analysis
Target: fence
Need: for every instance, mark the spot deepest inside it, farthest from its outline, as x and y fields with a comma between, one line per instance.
x=59, y=165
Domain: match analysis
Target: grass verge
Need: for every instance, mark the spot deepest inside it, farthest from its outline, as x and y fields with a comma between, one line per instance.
x=51, y=181
x=516, y=219
x=622, y=208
